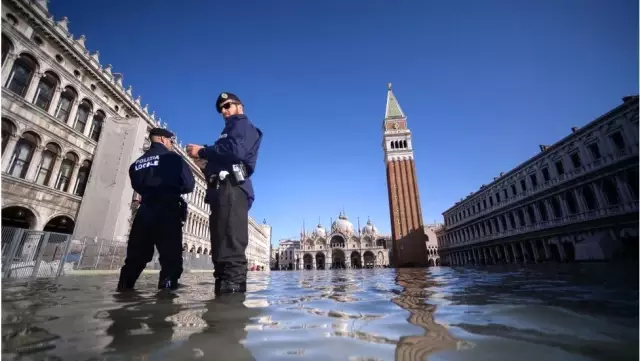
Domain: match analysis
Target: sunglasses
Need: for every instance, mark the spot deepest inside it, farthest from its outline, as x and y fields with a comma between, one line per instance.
x=227, y=105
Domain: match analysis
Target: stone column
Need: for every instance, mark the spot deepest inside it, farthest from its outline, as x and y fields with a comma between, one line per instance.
x=514, y=252
x=524, y=252
x=74, y=178
x=33, y=86
x=536, y=257
x=74, y=111
x=602, y=200
x=563, y=205
x=7, y=155
x=54, y=102
x=582, y=207
x=547, y=251
x=623, y=190
x=34, y=165
x=7, y=67
x=55, y=171
x=87, y=128
x=505, y=251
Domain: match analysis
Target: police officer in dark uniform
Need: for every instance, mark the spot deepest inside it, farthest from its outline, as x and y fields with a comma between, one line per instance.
x=160, y=176
x=231, y=161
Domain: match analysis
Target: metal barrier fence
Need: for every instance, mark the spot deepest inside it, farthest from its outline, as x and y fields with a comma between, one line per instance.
x=31, y=254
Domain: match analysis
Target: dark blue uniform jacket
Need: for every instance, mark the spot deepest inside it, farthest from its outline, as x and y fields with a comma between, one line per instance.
x=239, y=142
x=161, y=173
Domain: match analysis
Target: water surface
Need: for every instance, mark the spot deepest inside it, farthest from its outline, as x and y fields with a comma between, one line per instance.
x=542, y=312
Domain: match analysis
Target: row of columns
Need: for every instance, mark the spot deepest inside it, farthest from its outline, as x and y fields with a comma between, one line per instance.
x=514, y=252
x=470, y=233
x=608, y=150
x=34, y=165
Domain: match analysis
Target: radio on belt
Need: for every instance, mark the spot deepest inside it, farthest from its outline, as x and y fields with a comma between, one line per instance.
x=238, y=171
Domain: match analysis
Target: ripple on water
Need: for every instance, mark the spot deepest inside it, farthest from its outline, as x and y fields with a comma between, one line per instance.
x=439, y=313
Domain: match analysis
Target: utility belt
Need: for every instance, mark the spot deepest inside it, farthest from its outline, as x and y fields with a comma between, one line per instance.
x=237, y=176
x=168, y=201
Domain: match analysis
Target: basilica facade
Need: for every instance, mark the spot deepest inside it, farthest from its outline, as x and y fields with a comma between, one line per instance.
x=342, y=247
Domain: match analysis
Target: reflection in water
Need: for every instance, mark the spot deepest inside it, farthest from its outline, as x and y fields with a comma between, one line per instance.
x=564, y=312
x=414, y=298
x=141, y=326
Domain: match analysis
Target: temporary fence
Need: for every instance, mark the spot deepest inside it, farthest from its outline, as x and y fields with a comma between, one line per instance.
x=31, y=254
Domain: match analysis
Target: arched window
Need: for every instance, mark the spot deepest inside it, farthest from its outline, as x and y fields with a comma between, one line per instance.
x=66, y=169
x=23, y=154
x=96, y=125
x=21, y=74
x=84, y=109
x=67, y=98
x=8, y=129
x=45, y=91
x=48, y=160
x=7, y=47
x=83, y=177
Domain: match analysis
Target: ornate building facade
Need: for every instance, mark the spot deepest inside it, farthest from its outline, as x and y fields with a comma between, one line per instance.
x=342, y=247
x=70, y=129
x=407, y=230
x=575, y=200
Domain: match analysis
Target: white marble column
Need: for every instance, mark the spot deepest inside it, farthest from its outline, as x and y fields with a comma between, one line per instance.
x=34, y=165
x=54, y=102
x=55, y=171
x=74, y=111
x=623, y=190
x=7, y=67
x=74, y=178
x=8, y=152
x=33, y=86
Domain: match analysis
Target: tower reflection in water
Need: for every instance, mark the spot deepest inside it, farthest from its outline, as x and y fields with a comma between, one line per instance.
x=413, y=298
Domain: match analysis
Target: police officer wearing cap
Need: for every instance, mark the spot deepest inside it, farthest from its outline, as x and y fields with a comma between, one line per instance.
x=160, y=176
x=231, y=161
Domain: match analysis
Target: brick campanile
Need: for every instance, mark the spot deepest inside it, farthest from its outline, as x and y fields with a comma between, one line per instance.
x=407, y=231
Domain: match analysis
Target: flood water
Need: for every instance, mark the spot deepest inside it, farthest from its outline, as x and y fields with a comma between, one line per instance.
x=541, y=312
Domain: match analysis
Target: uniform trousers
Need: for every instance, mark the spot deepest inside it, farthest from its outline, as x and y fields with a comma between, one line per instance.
x=156, y=224
x=229, y=229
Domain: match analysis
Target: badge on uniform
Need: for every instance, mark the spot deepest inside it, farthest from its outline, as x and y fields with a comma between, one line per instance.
x=224, y=96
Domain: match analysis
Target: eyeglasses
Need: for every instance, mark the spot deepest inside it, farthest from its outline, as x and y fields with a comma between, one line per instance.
x=227, y=105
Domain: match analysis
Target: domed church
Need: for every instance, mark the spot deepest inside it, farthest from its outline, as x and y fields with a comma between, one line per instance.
x=343, y=247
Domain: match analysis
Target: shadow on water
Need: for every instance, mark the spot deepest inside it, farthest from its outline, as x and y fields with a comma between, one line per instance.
x=562, y=312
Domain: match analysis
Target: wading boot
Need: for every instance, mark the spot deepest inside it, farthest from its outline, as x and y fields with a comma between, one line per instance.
x=230, y=287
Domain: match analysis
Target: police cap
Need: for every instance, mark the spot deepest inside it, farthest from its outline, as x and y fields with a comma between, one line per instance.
x=223, y=97
x=160, y=132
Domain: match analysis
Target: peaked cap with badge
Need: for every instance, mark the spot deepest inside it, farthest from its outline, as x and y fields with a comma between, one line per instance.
x=160, y=132
x=223, y=97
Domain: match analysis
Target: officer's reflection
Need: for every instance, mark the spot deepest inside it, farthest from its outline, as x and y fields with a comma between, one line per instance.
x=142, y=325
x=226, y=318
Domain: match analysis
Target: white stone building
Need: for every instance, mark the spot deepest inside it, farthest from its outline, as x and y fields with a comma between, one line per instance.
x=343, y=247
x=285, y=253
x=70, y=129
x=575, y=200
x=430, y=230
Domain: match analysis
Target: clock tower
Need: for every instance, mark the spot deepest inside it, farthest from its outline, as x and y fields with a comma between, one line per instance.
x=407, y=230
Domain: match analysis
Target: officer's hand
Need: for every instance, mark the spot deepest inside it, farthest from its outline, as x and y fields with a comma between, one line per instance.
x=193, y=149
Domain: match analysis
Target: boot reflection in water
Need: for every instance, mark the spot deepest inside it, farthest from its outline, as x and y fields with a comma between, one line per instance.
x=142, y=326
x=226, y=318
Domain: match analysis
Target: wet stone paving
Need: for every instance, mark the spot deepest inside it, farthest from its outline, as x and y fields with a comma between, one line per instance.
x=540, y=312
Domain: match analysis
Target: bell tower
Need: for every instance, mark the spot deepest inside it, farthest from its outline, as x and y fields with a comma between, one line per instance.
x=407, y=231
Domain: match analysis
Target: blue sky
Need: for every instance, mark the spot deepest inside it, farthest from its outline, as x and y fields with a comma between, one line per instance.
x=482, y=83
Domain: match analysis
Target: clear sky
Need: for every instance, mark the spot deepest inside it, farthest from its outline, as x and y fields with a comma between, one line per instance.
x=483, y=83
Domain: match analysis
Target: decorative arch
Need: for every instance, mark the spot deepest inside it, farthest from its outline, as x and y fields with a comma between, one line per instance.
x=12, y=217
x=7, y=47
x=60, y=223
